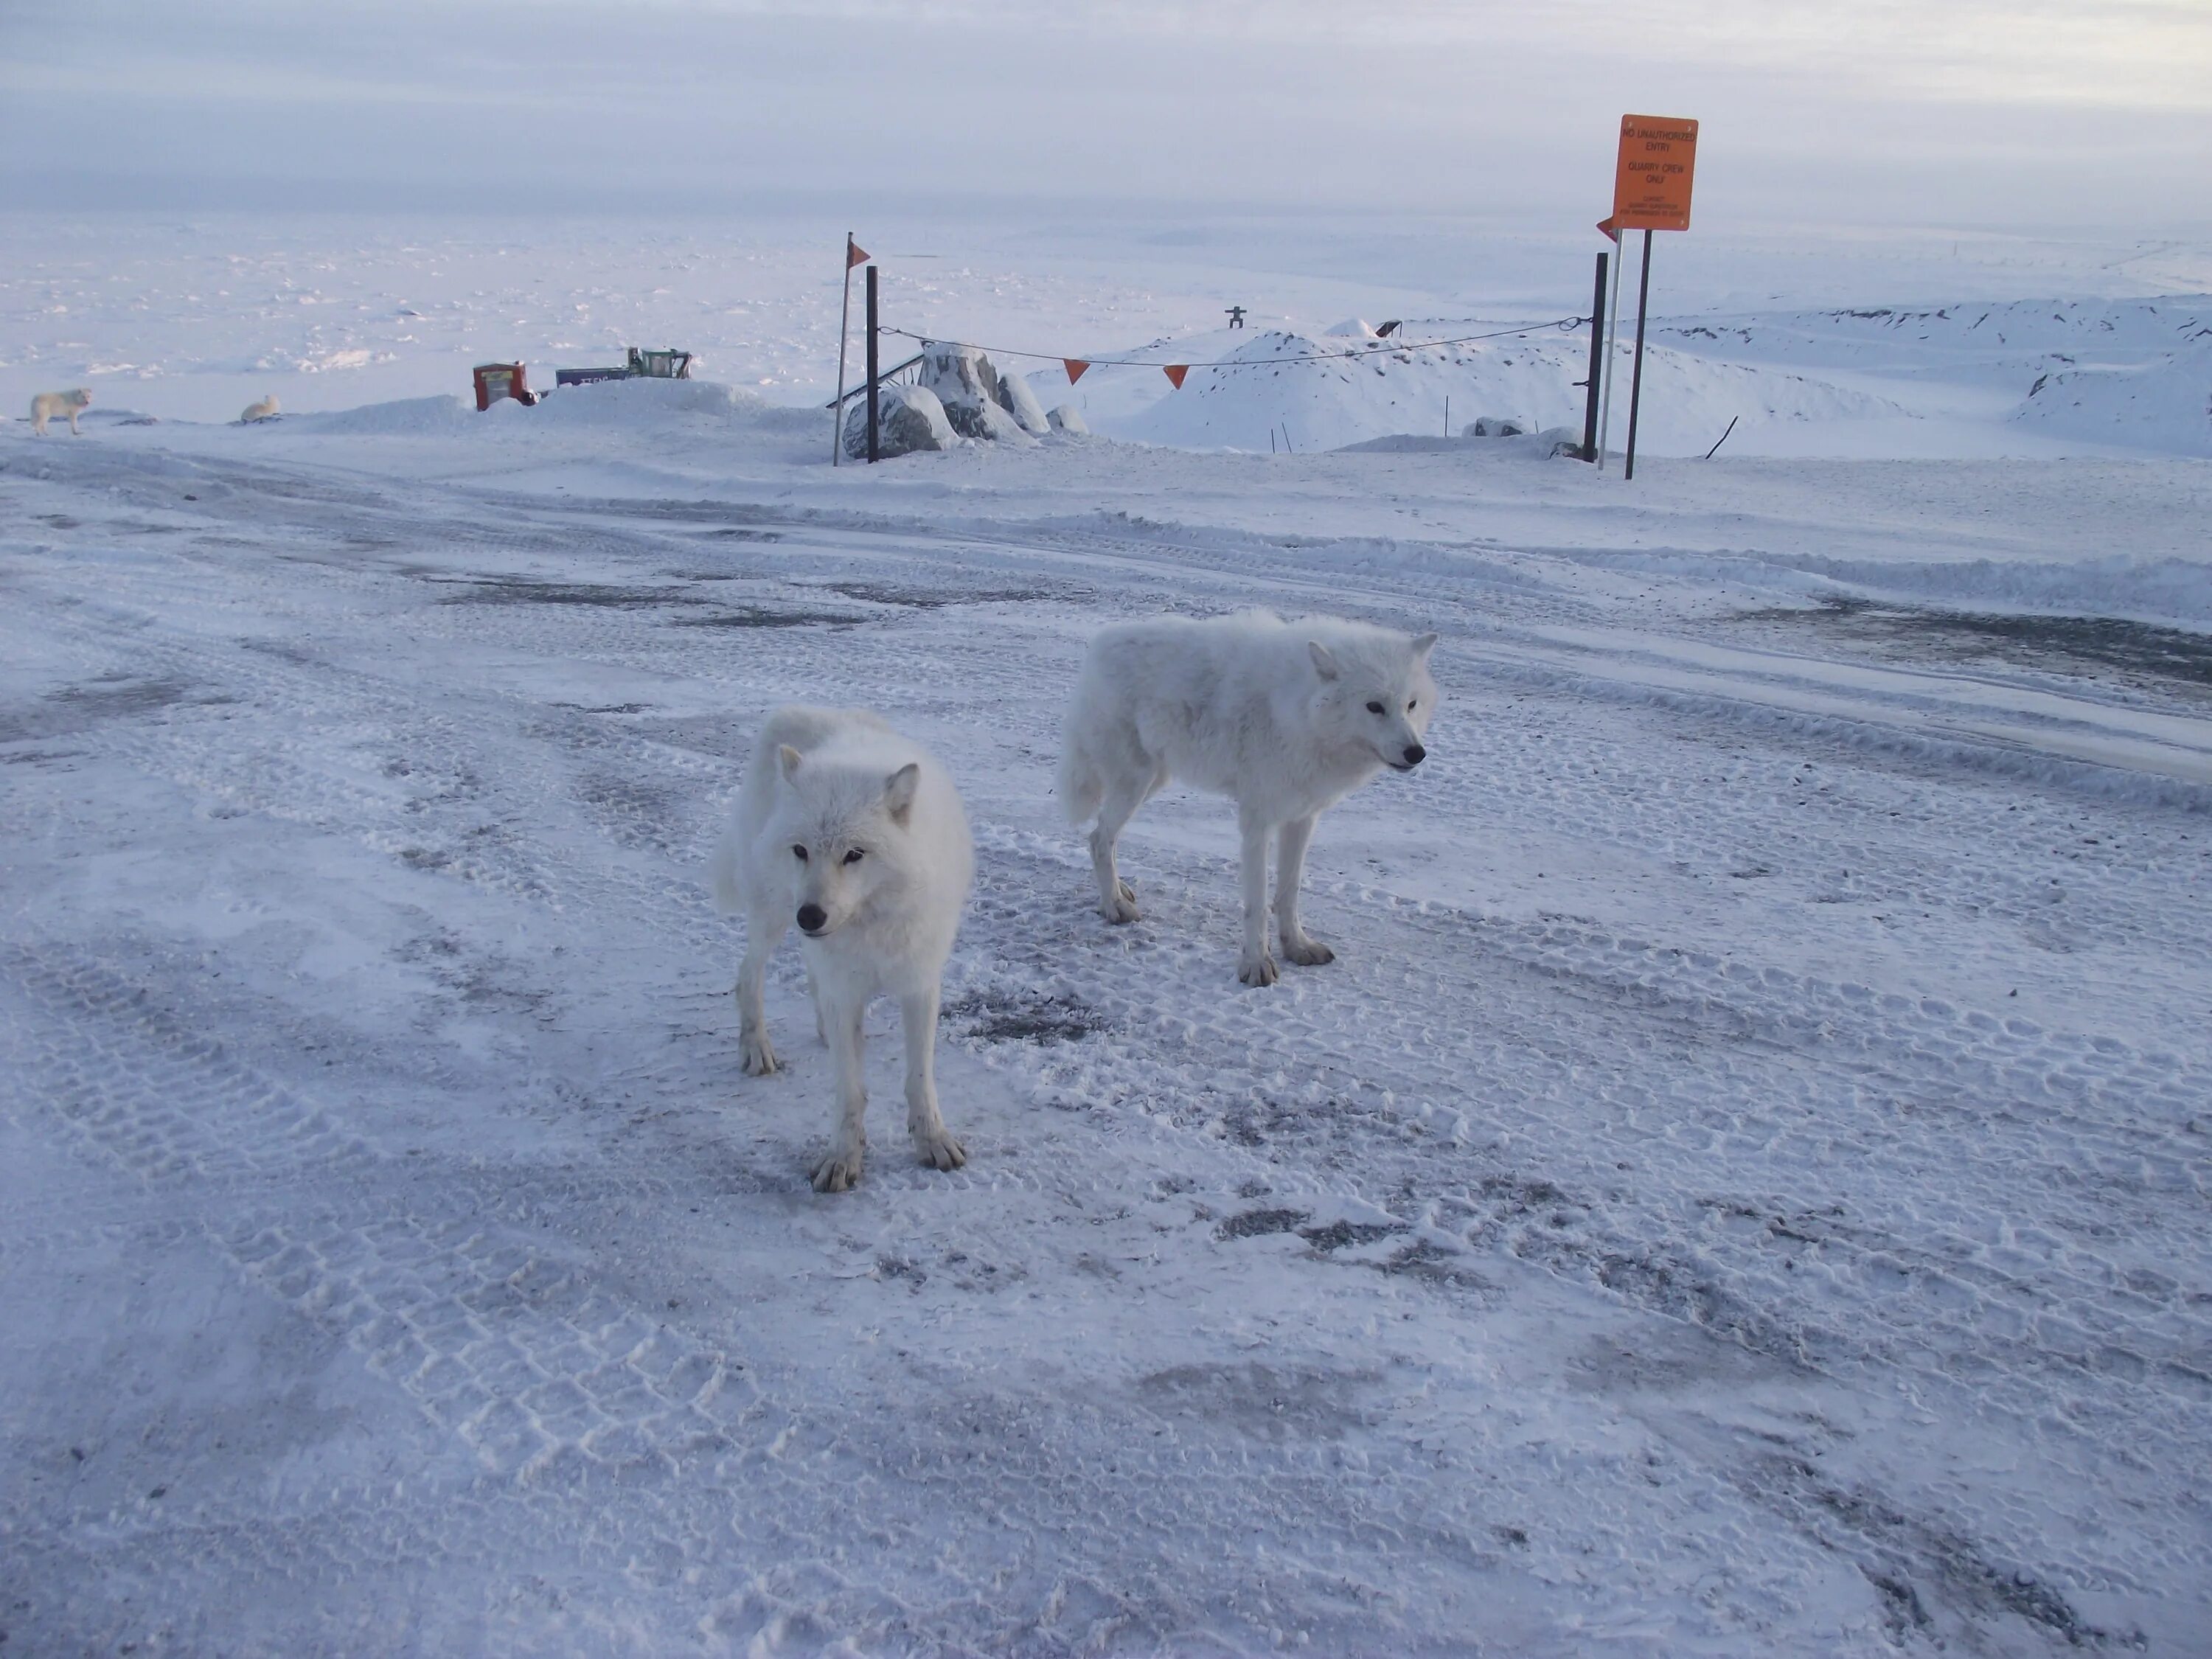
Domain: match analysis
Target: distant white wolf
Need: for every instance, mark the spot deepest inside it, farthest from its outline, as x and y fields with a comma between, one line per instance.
x=261, y=411
x=857, y=835
x=48, y=405
x=1285, y=718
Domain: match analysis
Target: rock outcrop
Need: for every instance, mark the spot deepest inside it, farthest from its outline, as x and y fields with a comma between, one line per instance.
x=908, y=418
x=977, y=399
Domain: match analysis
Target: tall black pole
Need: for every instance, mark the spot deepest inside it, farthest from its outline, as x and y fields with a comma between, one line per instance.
x=1597, y=363
x=1635, y=374
x=872, y=371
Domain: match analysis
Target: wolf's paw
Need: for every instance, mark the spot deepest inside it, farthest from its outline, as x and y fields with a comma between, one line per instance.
x=1122, y=908
x=937, y=1149
x=1128, y=891
x=760, y=1058
x=1257, y=971
x=838, y=1172
x=1307, y=952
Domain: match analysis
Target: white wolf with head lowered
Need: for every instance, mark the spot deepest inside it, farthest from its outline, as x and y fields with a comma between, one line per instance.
x=1284, y=718
x=48, y=405
x=857, y=835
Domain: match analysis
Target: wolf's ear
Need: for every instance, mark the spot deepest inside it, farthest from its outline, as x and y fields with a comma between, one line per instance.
x=1324, y=665
x=787, y=762
x=898, y=792
x=1423, y=644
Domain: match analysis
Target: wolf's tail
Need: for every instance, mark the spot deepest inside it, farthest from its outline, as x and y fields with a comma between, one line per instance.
x=1082, y=785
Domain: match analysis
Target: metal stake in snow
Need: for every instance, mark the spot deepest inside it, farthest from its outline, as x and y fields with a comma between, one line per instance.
x=855, y=255
x=1590, y=451
x=874, y=376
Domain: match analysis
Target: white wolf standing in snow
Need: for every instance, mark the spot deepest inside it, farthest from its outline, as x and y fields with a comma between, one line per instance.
x=857, y=835
x=264, y=410
x=1285, y=718
x=47, y=404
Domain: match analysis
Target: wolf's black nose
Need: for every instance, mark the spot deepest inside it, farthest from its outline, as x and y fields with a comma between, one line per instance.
x=1415, y=754
x=812, y=916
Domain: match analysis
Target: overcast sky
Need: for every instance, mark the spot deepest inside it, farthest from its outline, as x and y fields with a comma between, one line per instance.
x=2030, y=115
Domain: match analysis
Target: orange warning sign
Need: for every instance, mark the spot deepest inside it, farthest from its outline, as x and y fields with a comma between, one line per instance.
x=1176, y=372
x=1652, y=181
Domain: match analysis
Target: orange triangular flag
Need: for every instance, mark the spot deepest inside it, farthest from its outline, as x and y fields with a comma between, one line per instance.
x=1075, y=367
x=855, y=253
x=1607, y=228
x=1176, y=372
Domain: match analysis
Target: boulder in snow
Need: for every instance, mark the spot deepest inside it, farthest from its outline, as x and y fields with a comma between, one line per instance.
x=1018, y=401
x=907, y=418
x=974, y=398
x=1495, y=426
x=1068, y=418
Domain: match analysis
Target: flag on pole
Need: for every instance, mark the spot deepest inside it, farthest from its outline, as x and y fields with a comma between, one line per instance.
x=854, y=254
x=1075, y=367
x=1175, y=372
x=1606, y=228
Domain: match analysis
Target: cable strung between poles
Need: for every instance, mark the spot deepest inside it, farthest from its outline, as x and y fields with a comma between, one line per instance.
x=1565, y=325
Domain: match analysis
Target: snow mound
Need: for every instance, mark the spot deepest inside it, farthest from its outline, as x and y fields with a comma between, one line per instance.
x=629, y=402
x=410, y=417
x=2165, y=405
x=1066, y=418
x=1352, y=328
x=1284, y=389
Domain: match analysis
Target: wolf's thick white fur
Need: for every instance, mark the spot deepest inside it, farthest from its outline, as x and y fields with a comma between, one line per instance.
x=877, y=895
x=261, y=411
x=48, y=405
x=1284, y=718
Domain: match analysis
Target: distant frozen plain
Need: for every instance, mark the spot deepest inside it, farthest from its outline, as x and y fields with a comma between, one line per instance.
x=1741, y=1189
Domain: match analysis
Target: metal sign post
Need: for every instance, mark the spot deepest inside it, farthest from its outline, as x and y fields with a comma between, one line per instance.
x=874, y=379
x=1597, y=364
x=854, y=254
x=1635, y=374
x=1651, y=182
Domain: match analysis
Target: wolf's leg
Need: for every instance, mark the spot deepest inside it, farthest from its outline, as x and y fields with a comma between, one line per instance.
x=1117, y=901
x=814, y=996
x=763, y=935
x=1289, y=871
x=1255, y=966
x=918, y=1020
x=848, y=1138
x=73, y=433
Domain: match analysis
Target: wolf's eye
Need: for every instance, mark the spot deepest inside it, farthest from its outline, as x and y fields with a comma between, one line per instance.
x=799, y=853
x=853, y=857
x=1411, y=706
x=1374, y=707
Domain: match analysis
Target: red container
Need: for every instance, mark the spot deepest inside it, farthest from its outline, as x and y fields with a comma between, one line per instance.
x=497, y=380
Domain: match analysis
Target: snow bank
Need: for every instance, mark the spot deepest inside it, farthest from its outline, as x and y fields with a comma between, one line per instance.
x=410, y=417
x=629, y=402
x=2165, y=405
x=1284, y=389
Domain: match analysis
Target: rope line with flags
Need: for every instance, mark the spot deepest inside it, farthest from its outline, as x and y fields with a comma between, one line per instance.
x=1076, y=366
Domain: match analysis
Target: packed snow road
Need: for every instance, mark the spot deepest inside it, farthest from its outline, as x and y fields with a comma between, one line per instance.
x=1742, y=1187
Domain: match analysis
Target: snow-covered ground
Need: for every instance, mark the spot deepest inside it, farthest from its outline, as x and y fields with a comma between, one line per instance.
x=1741, y=1189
